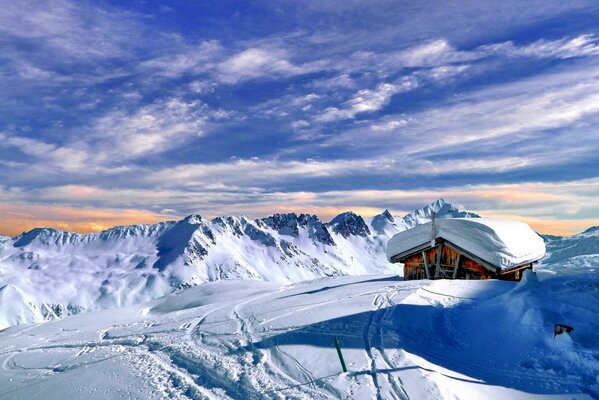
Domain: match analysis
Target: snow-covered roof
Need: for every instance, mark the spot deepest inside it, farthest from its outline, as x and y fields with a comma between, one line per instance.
x=503, y=244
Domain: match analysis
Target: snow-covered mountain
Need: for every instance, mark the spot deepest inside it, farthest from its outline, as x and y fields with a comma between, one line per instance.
x=572, y=253
x=47, y=273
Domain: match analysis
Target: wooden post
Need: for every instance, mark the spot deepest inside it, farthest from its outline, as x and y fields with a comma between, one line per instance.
x=457, y=265
x=339, y=354
x=438, y=263
x=426, y=271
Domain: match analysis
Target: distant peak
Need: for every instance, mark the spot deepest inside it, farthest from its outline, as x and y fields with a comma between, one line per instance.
x=384, y=216
x=440, y=208
x=439, y=203
x=193, y=219
x=387, y=215
x=349, y=223
x=347, y=215
x=592, y=229
x=43, y=234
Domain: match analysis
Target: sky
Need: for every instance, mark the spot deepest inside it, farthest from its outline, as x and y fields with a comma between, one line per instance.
x=115, y=113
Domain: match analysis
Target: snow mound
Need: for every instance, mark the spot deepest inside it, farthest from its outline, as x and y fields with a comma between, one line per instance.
x=502, y=243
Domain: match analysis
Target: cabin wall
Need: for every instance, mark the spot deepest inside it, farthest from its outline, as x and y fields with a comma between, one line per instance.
x=468, y=269
x=516, y=274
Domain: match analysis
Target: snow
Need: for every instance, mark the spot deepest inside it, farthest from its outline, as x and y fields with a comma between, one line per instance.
x=51, y=273
x=47, y=274
x=572, y=253
x=250, y=339
x=256, y=305
x=502, y=243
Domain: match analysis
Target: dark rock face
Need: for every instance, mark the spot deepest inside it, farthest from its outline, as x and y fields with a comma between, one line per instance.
x=229, y=223
x=348, y=224
x=208, y=233
x=320, y=233
x=289, y=224
x=256, y=234
x=380, y=221
x=285, y=224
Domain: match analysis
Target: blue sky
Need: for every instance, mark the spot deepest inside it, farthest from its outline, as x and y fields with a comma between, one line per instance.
x=116, y=114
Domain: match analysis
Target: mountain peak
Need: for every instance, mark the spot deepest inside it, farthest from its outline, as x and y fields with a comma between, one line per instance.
x=592, y=229
x=43, y=235
x=285, y=224
x=383, y=221
x=193, y=219
x=349, y=223
x=439, y=203
x=441, y=208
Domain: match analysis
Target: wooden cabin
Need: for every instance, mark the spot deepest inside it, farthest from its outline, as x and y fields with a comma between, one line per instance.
x=466, y=248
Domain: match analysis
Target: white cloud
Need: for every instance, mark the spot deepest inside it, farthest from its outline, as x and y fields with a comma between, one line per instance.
x=194, y=60
x=342, y=80
x=256, y=63
x=431, y=54
x=202, y=87
x=494, y=117
x=150, y=129
x=581, y=46
x=389, y=125
x=367, y=100
x=51, y=155
x=74, y=30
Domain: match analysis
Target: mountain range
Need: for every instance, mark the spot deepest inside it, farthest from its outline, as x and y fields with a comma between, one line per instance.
x=48, y=273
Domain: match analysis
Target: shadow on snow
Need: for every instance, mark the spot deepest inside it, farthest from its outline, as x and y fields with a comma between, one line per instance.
x=473, y=342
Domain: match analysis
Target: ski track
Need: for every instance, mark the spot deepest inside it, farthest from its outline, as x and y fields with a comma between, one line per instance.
x=373, y=340
x=245, y=332
x=189, y=370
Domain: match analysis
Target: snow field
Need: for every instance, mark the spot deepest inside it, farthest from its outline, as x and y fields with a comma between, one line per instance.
x=260, y=340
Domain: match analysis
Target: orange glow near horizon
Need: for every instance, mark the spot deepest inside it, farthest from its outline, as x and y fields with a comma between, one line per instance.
x=561, y=227
x=14, y=221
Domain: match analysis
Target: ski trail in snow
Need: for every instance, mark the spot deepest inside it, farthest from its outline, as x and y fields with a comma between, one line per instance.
x=308, y=377
x=395, y=381
x=372, y=363
x=374, y=345
x=314, y=305
x=259, y=371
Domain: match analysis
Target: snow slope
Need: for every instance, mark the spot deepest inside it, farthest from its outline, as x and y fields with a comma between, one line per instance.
x=48, y=273
x=262, y=340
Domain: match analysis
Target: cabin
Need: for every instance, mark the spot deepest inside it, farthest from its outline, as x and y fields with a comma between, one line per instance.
x=466, y=248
